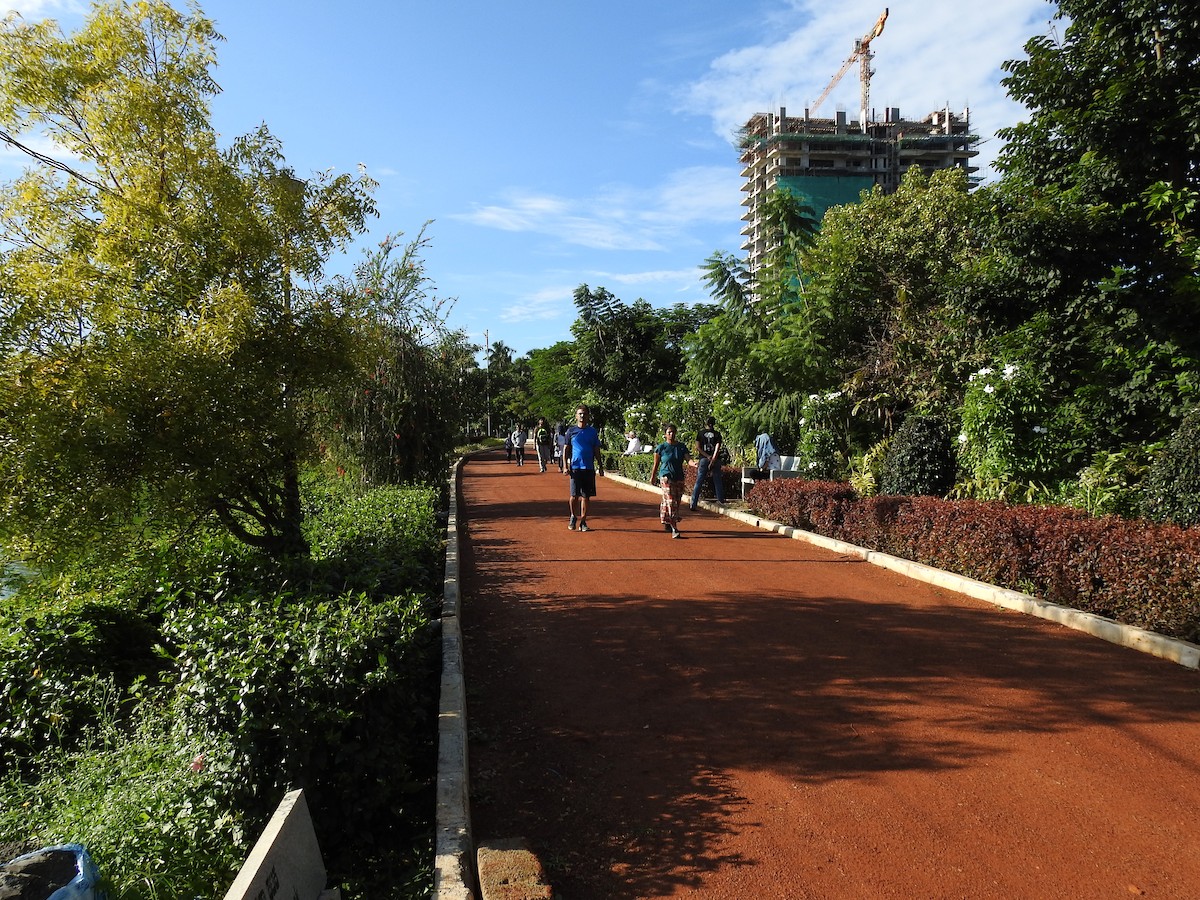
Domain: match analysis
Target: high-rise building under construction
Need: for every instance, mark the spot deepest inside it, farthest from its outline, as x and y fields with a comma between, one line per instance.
x=827, y=162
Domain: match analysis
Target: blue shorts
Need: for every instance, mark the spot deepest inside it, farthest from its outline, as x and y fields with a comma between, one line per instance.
x=583, y=482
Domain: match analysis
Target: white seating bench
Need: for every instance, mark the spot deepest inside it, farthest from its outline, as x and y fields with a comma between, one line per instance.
x=789, y=467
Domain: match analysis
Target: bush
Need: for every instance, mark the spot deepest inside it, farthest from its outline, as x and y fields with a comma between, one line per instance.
x=1135, y=572
x=812, y=505
x=1111, y=485
x=384, y=541
x=155, y=814
x=1172, y=489
x=61, y=672
x=334, y=696
x=919, y=460
x=319, y=674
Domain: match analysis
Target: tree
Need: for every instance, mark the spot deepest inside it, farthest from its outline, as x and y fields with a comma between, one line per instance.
x=628, y=353
x=416, y=379
x=159, y=348
x=761, y=350
x=891, y=279
x=552, y=393
x=1113, y=111
x=1113, y=103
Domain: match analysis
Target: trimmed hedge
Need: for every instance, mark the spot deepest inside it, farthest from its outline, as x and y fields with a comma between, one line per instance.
x=1139, y=573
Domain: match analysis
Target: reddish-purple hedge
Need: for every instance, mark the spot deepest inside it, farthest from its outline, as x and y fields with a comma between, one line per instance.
x=1133, y=571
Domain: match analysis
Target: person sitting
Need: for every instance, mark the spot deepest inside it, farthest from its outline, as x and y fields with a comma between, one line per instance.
x=634, y=444
x=768, y=456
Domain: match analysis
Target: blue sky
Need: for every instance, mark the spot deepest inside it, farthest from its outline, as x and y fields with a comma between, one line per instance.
x=553, y=143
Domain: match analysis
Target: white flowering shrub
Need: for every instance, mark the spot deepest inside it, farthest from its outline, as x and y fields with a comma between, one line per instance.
x=1009, y=433
x=640, y=417
x=687, y=409
x=823, y=418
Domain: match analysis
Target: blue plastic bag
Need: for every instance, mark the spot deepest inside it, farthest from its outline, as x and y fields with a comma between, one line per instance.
x=85, y=884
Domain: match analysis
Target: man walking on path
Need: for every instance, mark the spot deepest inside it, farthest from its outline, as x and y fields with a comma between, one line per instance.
x=543, y=442
x=520, y=436
x=582, y=454
x=708, y=448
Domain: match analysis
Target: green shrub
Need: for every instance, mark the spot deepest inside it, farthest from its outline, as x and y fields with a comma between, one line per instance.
x=636, y=467
x=338, y=697
x=1172, y=489
x=320, y=674
x=866, y=469
x=1110, y=486
x=919, y=460
x=61, y=672
x=385, y=541
x=156, y=815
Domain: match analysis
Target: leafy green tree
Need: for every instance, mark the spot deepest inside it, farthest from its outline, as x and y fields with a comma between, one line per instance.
x=514, y=402
x=1113, y=102
x=416, y=383
x=892, y=276
x=552, y=392
x=1113, y=108
x=158, y=344
x=628, y=352
x=744, y=353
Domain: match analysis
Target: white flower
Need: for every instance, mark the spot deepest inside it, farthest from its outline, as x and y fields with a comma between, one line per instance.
x=984, y=371
x=1038, y=429
x=1009, y=371
x=814, y=396
x=802, y=421
x=988, y=389
x=727, y=402
x=813, y=464
x=962, y=437
x=833, y=396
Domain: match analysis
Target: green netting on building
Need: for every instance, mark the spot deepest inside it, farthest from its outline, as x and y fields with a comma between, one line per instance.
x=824, y=191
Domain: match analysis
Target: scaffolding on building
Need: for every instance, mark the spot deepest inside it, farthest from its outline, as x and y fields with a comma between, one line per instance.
x=828, y=162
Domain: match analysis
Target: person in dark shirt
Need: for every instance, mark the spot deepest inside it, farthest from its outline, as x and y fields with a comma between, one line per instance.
x=708, y=447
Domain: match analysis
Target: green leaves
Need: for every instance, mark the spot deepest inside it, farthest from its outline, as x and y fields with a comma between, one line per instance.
x=161, y=339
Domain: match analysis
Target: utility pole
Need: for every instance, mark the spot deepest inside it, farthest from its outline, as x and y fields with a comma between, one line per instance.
x=487, y=380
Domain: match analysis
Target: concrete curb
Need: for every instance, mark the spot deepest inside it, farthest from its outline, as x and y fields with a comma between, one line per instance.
x=1174, y=650
x=454, y=874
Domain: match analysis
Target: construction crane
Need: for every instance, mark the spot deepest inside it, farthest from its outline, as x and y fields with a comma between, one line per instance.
x=862, y=53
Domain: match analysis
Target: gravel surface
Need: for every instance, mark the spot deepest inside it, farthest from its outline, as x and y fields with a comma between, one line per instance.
x=739, y=715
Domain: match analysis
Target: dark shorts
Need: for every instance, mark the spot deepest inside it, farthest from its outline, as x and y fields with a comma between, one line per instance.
x=583, y=482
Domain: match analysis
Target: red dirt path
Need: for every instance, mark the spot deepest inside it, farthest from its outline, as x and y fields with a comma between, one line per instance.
x=739, y=715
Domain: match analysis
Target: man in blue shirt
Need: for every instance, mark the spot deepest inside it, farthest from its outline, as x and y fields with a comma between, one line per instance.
x=583, y=461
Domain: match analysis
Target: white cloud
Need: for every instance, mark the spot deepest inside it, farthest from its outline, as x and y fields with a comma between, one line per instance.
x=682, y=278
x=547, y=303
x=930, y=54
x=41, y=9
x=622, y=217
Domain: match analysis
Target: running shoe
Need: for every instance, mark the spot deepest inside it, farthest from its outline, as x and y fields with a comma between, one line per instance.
x=583, y=526
x=571, y=523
